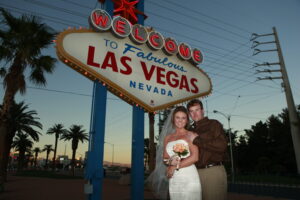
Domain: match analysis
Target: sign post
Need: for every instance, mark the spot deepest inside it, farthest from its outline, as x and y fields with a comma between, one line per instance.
x=137, y=149
x=94, y=169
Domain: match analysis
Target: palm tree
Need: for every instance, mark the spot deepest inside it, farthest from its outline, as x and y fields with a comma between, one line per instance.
x=58, y=130
x=21, y=43
x=22, y=121
x=36, y=151
x=48, y=148
x=76, y=134
x=22, y=144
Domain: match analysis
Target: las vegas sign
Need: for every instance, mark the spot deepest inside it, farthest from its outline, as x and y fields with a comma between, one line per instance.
x=136, y=64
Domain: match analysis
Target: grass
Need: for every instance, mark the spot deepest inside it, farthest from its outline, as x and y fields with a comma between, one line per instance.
x=45, y=174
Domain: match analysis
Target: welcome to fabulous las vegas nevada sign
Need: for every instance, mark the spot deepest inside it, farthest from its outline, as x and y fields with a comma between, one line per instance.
x=135, y=63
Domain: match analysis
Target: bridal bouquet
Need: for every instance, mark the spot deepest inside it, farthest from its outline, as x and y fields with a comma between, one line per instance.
x=180, y=150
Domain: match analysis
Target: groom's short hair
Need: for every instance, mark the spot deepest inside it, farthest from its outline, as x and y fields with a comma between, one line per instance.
x=194, y=102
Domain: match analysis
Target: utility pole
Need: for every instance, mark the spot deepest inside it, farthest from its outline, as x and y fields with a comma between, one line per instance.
x=293, y=117
x=113, y=152
x=65, y=149
x=228, y=117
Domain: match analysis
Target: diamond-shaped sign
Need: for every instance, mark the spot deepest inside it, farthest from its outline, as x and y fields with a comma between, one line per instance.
x=135, y=72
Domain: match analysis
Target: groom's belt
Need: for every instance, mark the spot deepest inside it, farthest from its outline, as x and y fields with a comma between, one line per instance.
x=212, y=165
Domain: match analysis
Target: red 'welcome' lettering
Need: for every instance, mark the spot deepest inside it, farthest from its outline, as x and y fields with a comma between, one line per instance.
x=196, y=55
x=120, y=26
x=137, y=36
x=170, y=45
x=152, y=40
x=100, y=20
x=184, y=50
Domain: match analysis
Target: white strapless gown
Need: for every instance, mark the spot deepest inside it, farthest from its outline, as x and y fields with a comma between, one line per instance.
x=185, y=183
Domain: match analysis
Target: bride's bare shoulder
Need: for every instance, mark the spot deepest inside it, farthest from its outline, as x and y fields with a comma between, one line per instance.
x=167, y=138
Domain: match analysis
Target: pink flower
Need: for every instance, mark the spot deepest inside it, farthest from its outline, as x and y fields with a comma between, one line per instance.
x=180, y=149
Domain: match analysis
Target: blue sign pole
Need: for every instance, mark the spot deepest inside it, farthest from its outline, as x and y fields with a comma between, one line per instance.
x=137, y=154
x=95, y=156
x=94, y=168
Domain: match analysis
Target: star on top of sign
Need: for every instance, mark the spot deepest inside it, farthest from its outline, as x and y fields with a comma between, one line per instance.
x=126, y=9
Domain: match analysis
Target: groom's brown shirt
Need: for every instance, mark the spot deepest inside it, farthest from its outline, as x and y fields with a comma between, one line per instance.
x=211, y=141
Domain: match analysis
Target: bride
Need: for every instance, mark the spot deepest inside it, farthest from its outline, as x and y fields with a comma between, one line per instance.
x=175, y=157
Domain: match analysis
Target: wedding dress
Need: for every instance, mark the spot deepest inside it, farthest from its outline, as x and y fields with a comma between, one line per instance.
x=185, y=182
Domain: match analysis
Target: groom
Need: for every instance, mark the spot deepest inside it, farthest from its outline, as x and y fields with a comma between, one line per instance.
x=212, y=144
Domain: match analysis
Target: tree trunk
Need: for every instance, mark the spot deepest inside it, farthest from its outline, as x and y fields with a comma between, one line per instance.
x=35, y=159
x=54, y=156
x=2, y=158
x=151, y=142
x=21, y=160
x=8, y=144
x=13, y=79
x=47, y=157
x=73, y=162
x=5, y=145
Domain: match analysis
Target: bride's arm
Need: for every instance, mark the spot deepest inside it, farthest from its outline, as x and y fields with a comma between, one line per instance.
x=166, y=156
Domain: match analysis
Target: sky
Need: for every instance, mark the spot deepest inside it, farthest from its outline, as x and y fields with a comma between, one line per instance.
x=220, y=28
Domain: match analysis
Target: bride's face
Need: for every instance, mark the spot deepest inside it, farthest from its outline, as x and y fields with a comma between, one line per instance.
x=180, y=119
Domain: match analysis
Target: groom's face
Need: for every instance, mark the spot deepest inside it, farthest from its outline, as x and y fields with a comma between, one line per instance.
x=196, y=112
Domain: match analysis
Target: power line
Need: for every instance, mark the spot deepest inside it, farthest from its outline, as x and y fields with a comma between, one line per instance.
x=43, y=16
x=198, y=20
x=195, y=28
x=202, y=14
x=65, y=92
x=254, y=113
x=255, y=100
x=225, y=6
x=248, y=117
x=203, y=42
x=39, y=3
x=80, y=5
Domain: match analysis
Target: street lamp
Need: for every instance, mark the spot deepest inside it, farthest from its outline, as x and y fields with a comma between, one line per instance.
x=113, y=151
x=230, y=145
